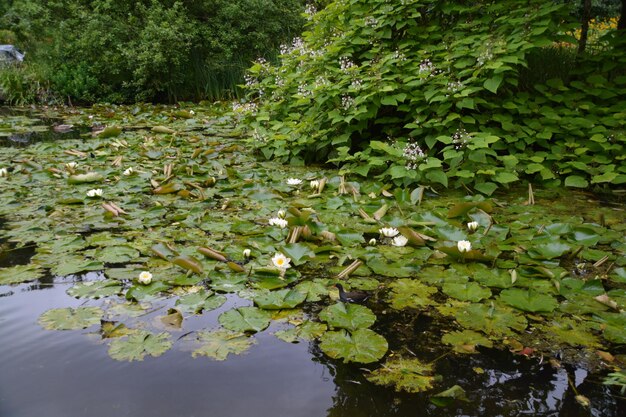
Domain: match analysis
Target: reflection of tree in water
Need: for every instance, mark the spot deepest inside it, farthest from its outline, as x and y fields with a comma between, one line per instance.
x=497, y=383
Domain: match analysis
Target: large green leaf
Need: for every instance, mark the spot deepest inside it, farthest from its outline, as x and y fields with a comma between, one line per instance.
x=298, y=252
x=410, y=375
x=410, y=293
x=73, y=264
x=548, y=250
x=529, y=300
x=274, y=300
x=221, y=343
x=309, y=330
x=466, y=341
x=348, y=316
x=245, y=319
x=136, y=346
x=200, y=301
x=492, y=320
x=20, y=273
x=95, y=289
x=468, y=291
x=362, y=345
x=70, y=318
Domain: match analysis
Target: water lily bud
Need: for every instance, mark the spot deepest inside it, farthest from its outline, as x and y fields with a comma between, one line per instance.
x=71, y=165
x=281, y=214
x=4, y=172
x=464, y=245
x=97, y=192
x=128, y=171
x=191, y=112
x=372, y=242
x=388, y=231
x=315, y=184
x=145, y=278
x=472, y=226
x=246, y=253
x=294, y=181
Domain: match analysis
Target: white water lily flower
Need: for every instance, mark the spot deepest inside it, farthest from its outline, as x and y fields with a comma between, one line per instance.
x=464, y=245
x=472, y=226
x=128, y=171
x=145, y=278
x=315, y=184
x=191, y=112
x=281, y=214
x=399, y=241
x=277, y=221
x=281, y=261
x=294, y=181
x=4, y=172
x=372, y=242
x=71, y=165
x=97, y=192
x=389, y=231
x=246, y=253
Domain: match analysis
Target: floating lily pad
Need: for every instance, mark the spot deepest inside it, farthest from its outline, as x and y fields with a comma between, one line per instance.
x=466, y=341
x=142, y=292
x=469, y=291
x=275, y=300
x=95, y=289
x=221, y=343
x=20, y=273
x=410, y=293
x=245, y=319
x=70, y=318
x=348, y=316
x=491, y=319
x=117, y=254
x=309, y=330
x=298, y=252
x=529, y=300
x=314, y=289
x=550, y=250
x=74, y=264
x=362, y=345
x=410, y=375
x=200, y=301
x=136, y=346
x=111, y=329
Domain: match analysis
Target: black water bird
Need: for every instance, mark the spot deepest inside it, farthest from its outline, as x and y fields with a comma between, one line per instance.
x=351, y=296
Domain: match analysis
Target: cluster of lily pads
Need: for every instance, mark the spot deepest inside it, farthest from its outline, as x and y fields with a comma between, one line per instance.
x=168, y=208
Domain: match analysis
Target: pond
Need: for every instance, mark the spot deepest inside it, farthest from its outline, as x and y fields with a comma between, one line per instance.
x=218, y=332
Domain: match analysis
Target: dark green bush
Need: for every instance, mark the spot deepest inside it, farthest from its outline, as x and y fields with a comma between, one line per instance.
x=432, y=92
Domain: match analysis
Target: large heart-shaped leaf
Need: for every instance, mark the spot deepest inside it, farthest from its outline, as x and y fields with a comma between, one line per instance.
x=362, y=345
x=221, y=343
x=137, y=345
x=70, y=318
x=275, y=300
x=245, y=319
x=468, y=291
x=348, y=316
x=529, y=300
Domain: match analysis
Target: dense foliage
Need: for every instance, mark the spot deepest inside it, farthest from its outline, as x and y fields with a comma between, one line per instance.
x=431, y=92
x=118, y=51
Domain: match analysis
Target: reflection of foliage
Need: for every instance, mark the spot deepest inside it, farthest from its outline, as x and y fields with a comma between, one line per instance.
x=409, y=375
x=617, y=379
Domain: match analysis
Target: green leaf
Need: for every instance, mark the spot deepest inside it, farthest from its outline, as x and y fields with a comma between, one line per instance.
x=362, y=345
x=469, y=291
x=221, y=343
x=95, y=289
x=466, y=341
x=314, y=289
x=275, y=300
x=309, y=330
x=70, y=318
x=137, y=345
x=297, y=251
x=200, y=301
x=245, y=319
x=20, y=273
x=411, y=293
x=548, y=250
x=486, y=188
x=493, y=83
x=491, y=320
x=576, y=181
x=529, y=300
x=410, y=375
x=73, y=264
x=348, y=316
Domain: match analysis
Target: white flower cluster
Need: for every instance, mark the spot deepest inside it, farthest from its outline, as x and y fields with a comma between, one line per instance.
x=356, y=84
x=460, y=138
x=249, y=107
x=304, y=91
x=371, y=22
x=346, y=102
x=346, y=64
x=277, y=221
x=399, y=55
x=296, y=44
x=427, y=67
x=257, y=136
x=310, y=10
x=484, y=57
x=413, y=154
x=454, y=86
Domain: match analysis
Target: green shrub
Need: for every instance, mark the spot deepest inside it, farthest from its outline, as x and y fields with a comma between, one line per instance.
x=431, y=92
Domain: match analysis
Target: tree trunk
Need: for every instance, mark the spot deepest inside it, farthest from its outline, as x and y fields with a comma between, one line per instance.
x=584, y=29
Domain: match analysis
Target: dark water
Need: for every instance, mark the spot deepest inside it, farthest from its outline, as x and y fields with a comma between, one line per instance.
x=69, y=374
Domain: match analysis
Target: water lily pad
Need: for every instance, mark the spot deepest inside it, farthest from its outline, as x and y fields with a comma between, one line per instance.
x=348, y=316
x=447, y=397
x=245, y=319
x=111, y=329
x=274, y=300
x=200, y=301
x=70, y=318
x=221, y=343
x=20, y=273
x=493, y=320
x=466, y=341
x=313, y=289
x=142, y=292
x=410, y=293
x=529, y=300
x=117, y=254
x=469, y=291
x=95, y=289
x=362, y=345
x=550, y=250
x=73, y=264
x=309, y=330
x=410, y=375
x=136, y=346
x=298, y=252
